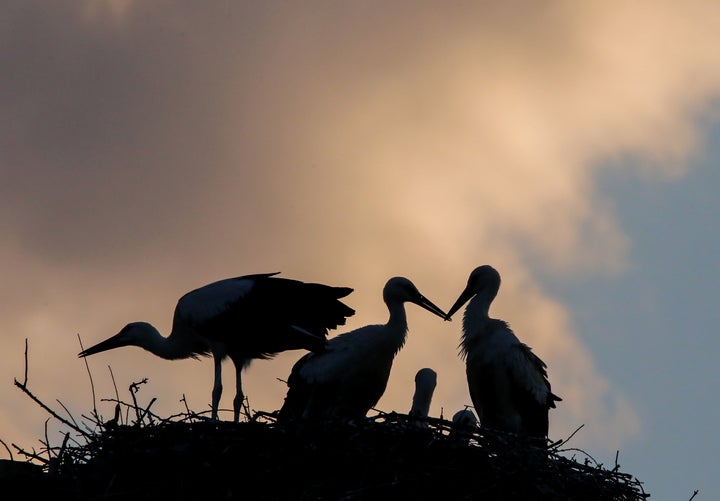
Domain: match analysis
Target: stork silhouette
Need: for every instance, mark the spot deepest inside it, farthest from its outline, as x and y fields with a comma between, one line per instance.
x=508, y=383
x=425, y=383
x=243, y=318
x=347, y=379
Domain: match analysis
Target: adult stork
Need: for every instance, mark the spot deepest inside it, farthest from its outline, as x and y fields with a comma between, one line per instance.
x=348, y=378
x=508, y=383
x=244, y=318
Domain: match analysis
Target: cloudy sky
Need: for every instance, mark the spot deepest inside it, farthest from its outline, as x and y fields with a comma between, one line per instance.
x=148, y=148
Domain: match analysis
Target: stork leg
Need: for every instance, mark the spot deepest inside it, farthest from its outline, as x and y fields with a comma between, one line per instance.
x=239, y=395
x=217, y=386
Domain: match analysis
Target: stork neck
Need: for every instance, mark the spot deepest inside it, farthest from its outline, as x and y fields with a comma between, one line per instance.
x=477, y=312
x=164, y=347
x=396, y=327
x=421, y=402
x=481, y=303
x=398, y=317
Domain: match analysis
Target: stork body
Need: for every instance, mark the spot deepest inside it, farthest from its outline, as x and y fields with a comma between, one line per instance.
x=508, y=383
x=243, y=318
x=425, y=383
x=348, y=378
x=464, y=418
x=463, y=422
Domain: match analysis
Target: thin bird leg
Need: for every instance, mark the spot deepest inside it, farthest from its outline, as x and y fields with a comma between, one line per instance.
x=239, y=396
x=217, y=386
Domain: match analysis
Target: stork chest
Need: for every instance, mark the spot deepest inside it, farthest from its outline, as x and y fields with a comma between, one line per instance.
x=490, y=342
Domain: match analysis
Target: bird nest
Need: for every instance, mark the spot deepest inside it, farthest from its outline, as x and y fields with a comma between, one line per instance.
x=139, y=455
x=388, y=455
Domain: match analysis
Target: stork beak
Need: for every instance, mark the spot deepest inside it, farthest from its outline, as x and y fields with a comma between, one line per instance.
x=464, y=298
x=114, y=342
x=424, y=302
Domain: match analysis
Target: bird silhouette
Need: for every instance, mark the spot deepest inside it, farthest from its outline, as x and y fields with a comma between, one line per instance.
x=463, y=422
x=243, y=318
x=508, y=383
x=347, y=379
x=425, y=383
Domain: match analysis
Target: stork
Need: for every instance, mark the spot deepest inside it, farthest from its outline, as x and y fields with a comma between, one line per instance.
x=244, y=318
x=464, y=417
x=425, y=382
x=348, y=378
x=463, y=421
x=508, y=383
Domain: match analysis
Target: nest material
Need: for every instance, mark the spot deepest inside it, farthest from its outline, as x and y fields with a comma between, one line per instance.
x=387, y=456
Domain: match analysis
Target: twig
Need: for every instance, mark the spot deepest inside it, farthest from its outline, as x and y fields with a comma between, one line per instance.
x=134, y=387
x=117, y=394
x=115, y=421
x=8, y=449
x=563, y=442
x=48, y=409
x=694, y=494
x=54, y=464
x=87, y=366
x=146, y=411
x=599, y=465
x=184, y=401
x=30, y=455
x=26, y=362
x=47, y=441
x=270, y=416
x=246, y=408
x=68, y=412
x=24, y=388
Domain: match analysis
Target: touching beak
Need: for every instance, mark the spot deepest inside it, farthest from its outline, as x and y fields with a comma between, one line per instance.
x=464, y=298
x=424, y=302
x=114, y=342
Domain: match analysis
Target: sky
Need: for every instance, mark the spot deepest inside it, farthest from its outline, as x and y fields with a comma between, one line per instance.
x=149, y=148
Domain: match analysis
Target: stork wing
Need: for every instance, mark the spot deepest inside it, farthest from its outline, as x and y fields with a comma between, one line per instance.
x=311, y=306
x=204, y=304
x=530, y=374
x=311, y=385
x=337, y=360
x=326, y=384
x=259, y=315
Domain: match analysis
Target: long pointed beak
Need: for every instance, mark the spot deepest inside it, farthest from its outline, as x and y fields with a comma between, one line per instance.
x=464, y=298
x=424, y=302
x=114, y=342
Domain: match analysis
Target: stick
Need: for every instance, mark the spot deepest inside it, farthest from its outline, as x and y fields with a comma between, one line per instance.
x=48, y=409
x=87, y=366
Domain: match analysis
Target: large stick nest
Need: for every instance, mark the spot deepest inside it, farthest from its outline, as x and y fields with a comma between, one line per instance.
x=386, y=456
x=138, y=455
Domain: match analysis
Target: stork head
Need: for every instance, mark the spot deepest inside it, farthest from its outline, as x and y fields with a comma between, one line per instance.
x=402, y=290
x=483, y=280
x=464, y=417
x=133, y=334
x=426, y=378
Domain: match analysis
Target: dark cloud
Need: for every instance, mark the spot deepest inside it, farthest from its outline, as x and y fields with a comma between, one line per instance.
x=112, y=128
